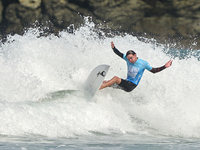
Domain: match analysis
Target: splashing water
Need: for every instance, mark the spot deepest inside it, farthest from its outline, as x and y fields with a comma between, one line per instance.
x=42, y=78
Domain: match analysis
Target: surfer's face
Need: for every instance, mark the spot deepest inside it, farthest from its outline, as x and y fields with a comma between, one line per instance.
x=132, y=58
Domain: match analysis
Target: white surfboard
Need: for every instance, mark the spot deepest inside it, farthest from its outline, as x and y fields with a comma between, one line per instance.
x=96, y=78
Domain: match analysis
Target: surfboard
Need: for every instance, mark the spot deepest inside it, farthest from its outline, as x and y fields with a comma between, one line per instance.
x=96, y=78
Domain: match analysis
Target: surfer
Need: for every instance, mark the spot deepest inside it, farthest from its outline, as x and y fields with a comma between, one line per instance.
x=136, y=67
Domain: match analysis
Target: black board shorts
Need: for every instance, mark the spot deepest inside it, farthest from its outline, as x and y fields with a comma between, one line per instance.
x=124, y=85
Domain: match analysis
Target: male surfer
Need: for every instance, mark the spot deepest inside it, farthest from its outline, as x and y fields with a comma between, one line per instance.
x=136, y=69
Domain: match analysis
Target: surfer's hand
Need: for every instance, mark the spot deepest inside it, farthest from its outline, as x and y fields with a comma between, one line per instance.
x=168, y=64
x=112, y=44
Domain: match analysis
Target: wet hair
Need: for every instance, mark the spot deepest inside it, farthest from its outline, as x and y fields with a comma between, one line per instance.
x=130, y=52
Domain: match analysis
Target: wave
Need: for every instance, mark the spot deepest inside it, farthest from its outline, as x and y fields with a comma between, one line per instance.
x=42, y=78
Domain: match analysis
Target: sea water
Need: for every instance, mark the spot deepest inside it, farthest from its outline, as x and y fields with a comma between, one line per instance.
x=43, y=104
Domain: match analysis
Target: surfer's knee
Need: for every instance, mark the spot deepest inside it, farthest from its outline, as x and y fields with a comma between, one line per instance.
x=117, y=79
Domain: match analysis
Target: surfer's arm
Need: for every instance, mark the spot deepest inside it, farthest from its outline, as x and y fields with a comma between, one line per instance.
x=116, y=51
x=155, y=70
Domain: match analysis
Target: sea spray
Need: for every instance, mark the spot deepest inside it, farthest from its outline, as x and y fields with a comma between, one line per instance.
x=34, y=69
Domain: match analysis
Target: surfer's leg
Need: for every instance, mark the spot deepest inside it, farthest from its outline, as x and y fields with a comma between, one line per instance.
x=104, y=82
x=115, y=79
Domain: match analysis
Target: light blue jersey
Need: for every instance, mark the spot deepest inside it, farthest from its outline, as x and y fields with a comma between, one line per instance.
x=136, y=70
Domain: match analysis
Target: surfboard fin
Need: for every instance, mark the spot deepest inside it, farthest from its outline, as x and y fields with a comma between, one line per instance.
x=103, y=73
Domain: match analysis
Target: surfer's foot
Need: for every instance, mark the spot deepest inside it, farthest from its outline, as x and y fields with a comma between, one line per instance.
x=104, y=82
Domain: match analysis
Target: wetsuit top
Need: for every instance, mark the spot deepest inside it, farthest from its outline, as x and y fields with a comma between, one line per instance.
x=136, y=70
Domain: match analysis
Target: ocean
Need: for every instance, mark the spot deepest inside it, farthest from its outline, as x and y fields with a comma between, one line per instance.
x=43, y=104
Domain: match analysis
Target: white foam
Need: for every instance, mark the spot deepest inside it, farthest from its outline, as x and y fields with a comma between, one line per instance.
x=31, y=67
